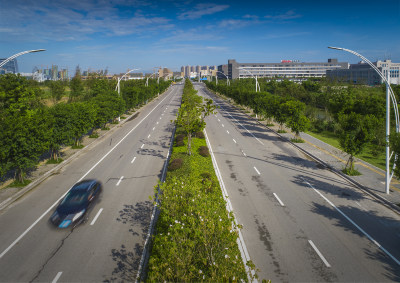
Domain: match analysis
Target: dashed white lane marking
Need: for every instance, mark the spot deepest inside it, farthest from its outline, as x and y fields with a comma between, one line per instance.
x=258, y=172
x=57, y=277
x=319, y=254
x=119, y=181
x=97, y=216
x=352, y=222
x=142, y=146
x=133, y=160
x=227, y=132
x=148, y=136
x=360, y=205
x=223, y=125
x=157, y=122
x=234, y=141
x=154, y=128
x=160, y=118
x=244, y=153
x=279, y=200
x=219, y=120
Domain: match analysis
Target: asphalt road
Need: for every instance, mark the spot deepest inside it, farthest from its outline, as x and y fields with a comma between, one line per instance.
x=300, y=222
x=108, y=247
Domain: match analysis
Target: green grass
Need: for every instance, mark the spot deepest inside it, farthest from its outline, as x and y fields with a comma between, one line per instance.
x=367, y=154
x=80, y=146
x=54, y=161
x=17, y=184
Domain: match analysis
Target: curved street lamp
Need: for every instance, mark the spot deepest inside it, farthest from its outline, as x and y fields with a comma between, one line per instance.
x=147, y=80
x=119, y=88
x=216, y=78
x=255, y=77
x=389, y=94
x=19, y=54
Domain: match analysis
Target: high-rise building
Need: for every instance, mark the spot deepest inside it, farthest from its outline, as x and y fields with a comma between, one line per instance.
x=54, y=72
x=10, y=67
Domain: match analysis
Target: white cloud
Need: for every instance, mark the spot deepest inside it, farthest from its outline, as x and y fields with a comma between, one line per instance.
x=202, y=10
x=289, y=15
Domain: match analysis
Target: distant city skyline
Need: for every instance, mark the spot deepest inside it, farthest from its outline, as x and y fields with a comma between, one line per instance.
x=123, y=34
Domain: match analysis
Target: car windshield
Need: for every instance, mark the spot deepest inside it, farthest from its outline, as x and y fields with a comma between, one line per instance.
x=74, y=198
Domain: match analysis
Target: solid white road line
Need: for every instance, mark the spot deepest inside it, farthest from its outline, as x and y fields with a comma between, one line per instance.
x=119, y=181
x=240, y=241
x=97, y=216
x=5, y=201
x=352, y=222
x=234, y=141
x=57, y=277
x=258, y=172
x=87, y=173
x=319, y=254
x=133, y=160
x=276, y=196
x=142, y=146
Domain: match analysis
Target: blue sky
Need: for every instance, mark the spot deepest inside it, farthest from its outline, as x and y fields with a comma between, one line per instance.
x=122, y=34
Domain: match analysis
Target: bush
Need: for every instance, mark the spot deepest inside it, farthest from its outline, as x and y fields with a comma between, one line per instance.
x=200, y=135
x=179, y=140
x=175, y=164
x=203, y=151
x=179, y=143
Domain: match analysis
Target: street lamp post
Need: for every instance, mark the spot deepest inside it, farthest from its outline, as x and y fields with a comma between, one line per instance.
x=389, y=94
x=119, y=88
x=19, y=54
x=257, y=85
x=216, y=78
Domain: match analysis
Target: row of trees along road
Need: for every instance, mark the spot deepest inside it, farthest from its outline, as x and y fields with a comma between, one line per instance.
x=30, y=128
x=354, y=113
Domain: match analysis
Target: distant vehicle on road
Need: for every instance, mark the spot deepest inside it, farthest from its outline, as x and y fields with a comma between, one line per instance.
x=74, y=206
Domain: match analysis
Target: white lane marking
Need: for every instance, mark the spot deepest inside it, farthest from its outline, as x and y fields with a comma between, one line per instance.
x=148, y=136
x=234, y=141
x=119, y=181
x=258, y=172
x=133, y=160
x=154, y=128
x=244, y=153
x=276, y=196
x=223, y=125
x=57, y=277
x=319, y=254
x=219, y=120
x=97, y=216
x=242, y=126
x=87, y=173
x=5, y=201
x=240, y=241
x=352, y=222
x=227, y=132
x=142, y=146
x=160, y=118
x=360, y=205
x=157, y=122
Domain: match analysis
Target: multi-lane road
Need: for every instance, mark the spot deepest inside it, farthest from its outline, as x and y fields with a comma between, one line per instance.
x=108, y=247
x=300, y=222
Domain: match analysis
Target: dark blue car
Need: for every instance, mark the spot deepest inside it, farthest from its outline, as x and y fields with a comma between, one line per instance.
x=74, y=206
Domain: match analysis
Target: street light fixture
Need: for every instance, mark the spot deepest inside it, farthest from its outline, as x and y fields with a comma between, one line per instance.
x=389, y=94
x=119, y=88
x=257, y=84
x=216, y=78
x=19, y=54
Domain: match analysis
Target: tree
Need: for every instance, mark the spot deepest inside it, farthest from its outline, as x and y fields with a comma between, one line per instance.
x=355, y=132
x=57, y=90
x=295, y=119
x=76, y=85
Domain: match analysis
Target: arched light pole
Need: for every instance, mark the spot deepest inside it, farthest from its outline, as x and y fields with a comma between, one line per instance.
x=118, y=87
x=147, y=80
x=19, y=54
x=389, y=94
x=257, y=85
x=216, y=78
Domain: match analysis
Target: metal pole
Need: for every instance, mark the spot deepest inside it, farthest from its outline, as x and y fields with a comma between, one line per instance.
x=387, y=182
x=19, y=54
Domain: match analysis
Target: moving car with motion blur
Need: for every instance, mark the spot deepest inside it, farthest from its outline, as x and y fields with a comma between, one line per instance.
x=74, y=206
